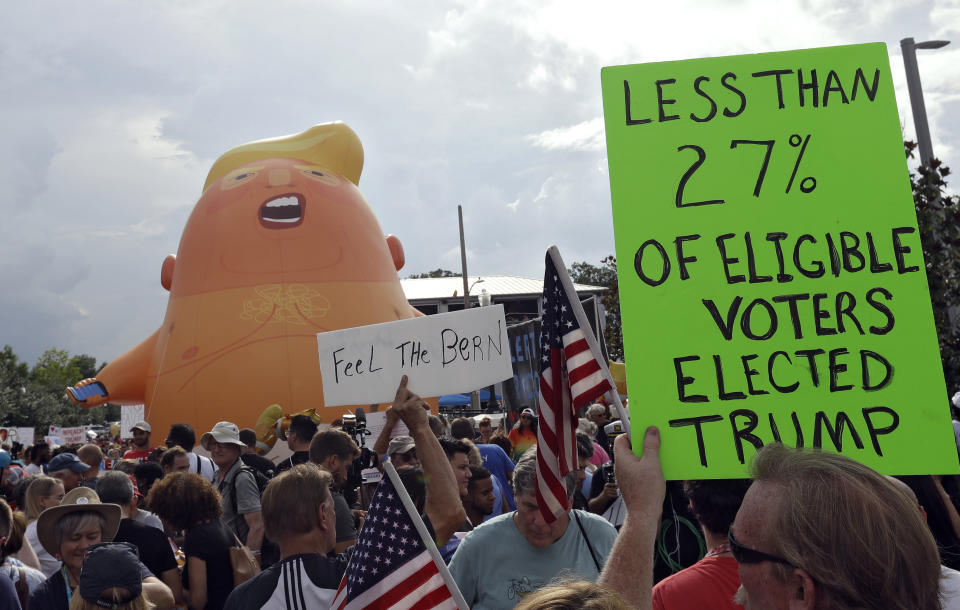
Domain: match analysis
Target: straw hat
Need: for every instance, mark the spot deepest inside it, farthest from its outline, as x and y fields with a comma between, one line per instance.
x=77, y=500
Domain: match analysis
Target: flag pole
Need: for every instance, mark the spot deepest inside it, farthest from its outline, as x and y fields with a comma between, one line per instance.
x=425, y=536
x=581, y=316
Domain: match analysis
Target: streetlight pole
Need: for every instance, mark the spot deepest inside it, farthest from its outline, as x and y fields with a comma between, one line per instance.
x=908, y=49
x=474, y=397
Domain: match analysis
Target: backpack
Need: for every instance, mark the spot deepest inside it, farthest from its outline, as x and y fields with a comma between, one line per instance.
x=269, y=551
x=259, y=477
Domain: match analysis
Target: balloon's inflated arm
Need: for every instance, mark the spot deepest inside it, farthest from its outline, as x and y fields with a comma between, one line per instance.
x=88, y=393
x=121, y=382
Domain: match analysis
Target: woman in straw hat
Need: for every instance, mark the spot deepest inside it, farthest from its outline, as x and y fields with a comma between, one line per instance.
x=66, y=532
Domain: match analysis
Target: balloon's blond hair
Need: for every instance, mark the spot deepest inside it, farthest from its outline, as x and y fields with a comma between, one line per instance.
x=333, y=146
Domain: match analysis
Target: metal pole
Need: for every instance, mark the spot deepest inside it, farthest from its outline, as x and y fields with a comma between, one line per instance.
x=463, y=261
x=909, y=51
x=474, y=397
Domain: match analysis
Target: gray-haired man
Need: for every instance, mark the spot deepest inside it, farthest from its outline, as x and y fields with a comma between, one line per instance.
x=514, y=554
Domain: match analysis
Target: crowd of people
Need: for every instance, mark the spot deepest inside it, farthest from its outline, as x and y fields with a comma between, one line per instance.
x=160, y=526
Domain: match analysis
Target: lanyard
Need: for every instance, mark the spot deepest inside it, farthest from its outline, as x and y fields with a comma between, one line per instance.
x=66, y=581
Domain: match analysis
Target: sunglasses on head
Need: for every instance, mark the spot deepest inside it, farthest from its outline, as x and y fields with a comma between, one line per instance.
x=745, y=554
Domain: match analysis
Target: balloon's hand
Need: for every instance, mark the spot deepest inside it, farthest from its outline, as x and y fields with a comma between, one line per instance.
x=88, y=393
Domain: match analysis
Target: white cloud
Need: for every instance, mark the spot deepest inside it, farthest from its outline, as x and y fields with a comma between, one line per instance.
x=587, y=135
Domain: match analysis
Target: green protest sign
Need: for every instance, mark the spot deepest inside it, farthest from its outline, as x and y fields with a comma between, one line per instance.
x=772, y=282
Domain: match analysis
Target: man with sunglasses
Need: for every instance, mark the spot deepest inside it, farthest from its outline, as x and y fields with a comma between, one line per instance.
x=819, y=530
x=402, y=451
x=816, y=531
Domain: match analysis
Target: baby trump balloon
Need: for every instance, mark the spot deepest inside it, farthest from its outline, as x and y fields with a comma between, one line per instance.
x=281, y=245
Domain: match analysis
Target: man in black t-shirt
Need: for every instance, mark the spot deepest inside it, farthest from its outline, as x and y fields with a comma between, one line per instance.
x=249, y=455
x=115, y=487
x=299, y=434
x=298, y=514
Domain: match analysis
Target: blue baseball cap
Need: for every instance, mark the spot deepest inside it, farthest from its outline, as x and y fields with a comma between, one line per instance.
x=66, y=461
x=4, y=459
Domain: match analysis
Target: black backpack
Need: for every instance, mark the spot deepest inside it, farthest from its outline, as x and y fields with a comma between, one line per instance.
x=269, y=551
x=259, y=477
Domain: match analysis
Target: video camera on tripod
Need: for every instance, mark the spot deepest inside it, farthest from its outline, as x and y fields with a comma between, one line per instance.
x=356, y=427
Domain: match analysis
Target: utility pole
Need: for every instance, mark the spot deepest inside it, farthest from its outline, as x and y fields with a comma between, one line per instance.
x=474, y=397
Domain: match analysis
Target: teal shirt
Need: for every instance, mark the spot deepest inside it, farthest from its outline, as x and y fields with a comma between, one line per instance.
x=495, y=566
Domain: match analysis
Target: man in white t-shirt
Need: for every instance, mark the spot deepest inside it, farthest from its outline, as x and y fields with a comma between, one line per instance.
x=39, y=457
x=184, y=436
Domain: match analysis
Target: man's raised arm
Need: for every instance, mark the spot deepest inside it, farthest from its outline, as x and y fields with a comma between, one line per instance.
x=443, y=505
x=629, y=568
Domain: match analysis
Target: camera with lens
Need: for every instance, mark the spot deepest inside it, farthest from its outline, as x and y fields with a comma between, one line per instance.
x=606, y=473
x=356, y=427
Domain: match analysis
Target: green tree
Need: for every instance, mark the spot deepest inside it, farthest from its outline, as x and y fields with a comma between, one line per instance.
x=35, y=397
x=434, y=273
x=605, y=275
x=938, y=217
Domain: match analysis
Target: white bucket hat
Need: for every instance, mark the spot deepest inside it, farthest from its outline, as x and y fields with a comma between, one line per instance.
x=225, y=433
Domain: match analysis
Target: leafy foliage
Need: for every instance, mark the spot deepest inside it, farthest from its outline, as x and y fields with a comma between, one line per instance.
x=938, y=217
x=35, y=397
x=434, y=273
x=605, y=275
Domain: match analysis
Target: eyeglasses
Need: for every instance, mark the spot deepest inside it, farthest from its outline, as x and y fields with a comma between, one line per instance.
x=745, y=554
x=408, y=456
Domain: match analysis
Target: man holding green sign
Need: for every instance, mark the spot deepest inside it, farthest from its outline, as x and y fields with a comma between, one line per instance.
x=771, y=279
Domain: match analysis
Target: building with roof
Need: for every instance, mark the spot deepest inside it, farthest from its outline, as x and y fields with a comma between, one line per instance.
x=520, y=296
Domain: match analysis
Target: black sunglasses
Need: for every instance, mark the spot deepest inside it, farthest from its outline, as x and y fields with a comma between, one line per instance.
x=745, y=554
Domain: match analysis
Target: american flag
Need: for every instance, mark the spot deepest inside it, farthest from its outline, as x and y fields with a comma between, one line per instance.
x=391, y=566
x=571, y=376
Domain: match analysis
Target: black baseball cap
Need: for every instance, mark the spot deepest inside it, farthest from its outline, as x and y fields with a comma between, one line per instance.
x=107, y=565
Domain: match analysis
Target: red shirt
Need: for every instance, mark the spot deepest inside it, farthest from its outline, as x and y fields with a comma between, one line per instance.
x=137, y=454
x=708, y=584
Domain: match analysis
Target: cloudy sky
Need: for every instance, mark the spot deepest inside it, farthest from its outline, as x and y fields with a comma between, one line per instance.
x=112, y=112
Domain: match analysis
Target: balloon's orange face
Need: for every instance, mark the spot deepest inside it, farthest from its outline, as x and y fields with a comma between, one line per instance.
x=280, y=221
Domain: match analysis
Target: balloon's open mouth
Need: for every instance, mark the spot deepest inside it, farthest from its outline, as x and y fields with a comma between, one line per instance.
x=283, y=211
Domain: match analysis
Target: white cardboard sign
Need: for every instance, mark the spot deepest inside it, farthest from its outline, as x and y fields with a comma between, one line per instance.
x=23, y=436
x=129, y=415
x=441, y=354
